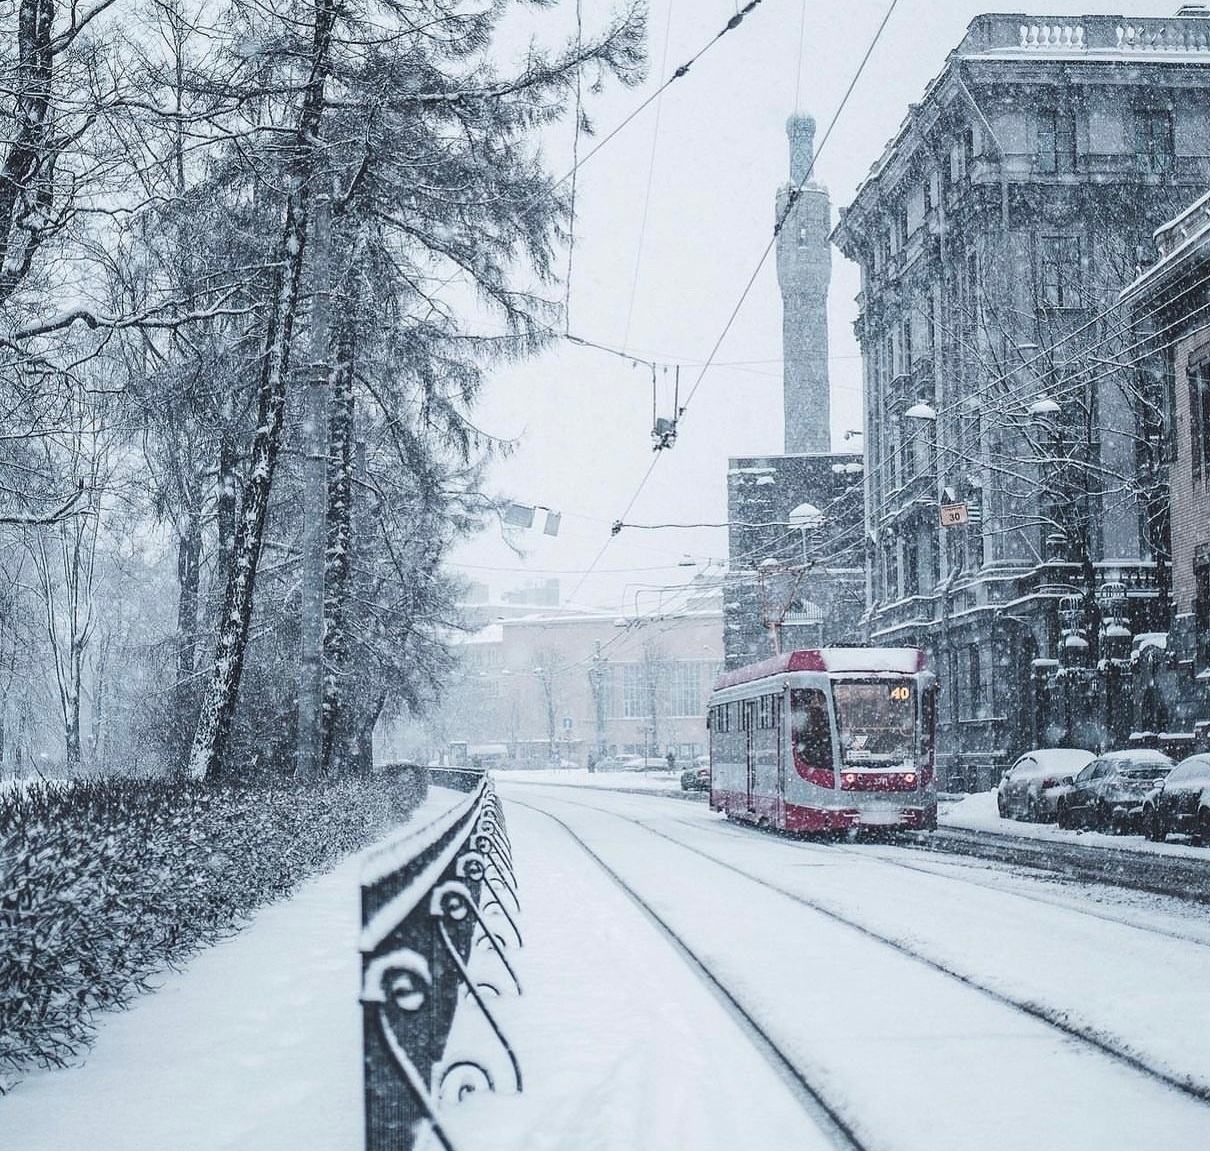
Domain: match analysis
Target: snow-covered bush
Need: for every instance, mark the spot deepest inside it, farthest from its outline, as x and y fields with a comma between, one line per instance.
x=105, y=882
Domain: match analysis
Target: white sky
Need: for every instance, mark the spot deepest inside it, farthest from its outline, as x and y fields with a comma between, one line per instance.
x=664, y=292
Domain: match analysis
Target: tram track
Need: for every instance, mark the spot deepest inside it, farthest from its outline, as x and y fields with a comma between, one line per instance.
x=833, y=1125
x=1151, y=873
x=863, y=852
x=1056, y=1019
x=1189, y=883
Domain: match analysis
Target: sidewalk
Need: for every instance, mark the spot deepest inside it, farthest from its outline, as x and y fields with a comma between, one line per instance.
x=256, y=1044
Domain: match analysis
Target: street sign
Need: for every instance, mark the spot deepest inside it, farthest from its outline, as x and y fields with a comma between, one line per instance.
x=954, y=515
x=567, y=723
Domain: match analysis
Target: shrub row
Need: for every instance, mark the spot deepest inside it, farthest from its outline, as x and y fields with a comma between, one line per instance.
x=105, y=882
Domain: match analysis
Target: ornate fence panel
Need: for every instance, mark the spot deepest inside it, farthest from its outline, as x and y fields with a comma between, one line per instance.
x=424, y=898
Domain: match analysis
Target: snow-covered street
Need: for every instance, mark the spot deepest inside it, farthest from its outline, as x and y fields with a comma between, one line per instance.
x=920, y=999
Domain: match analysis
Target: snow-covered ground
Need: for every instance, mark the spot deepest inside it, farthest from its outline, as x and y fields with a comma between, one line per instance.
x=256, y=1043
x=653, y=780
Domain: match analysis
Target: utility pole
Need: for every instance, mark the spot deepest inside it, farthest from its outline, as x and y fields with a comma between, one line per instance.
x=309, y=737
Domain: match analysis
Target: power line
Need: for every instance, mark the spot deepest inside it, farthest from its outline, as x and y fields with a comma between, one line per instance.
x=790, y=202
x=655, y=137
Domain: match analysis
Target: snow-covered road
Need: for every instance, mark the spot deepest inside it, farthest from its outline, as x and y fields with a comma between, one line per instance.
x=888, y=980
x=930, y=1007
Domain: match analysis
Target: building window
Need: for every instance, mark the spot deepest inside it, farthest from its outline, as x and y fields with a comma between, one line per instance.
x=1154, y=141
x=1201, y=614
x=1056, y=141
x=1199, y=418
x=1060, y=261
x=685, y=688
x=968, y=149
x=973, y=695
x=635, y=701
x=911, y=570
x=928, y=193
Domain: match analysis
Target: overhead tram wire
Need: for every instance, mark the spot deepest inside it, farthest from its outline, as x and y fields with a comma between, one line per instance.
x=548, y=192
x=655, y=138
x=730, y=26
x=792, y=199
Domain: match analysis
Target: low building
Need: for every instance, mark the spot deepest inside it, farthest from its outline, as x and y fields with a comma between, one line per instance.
x=541, y=687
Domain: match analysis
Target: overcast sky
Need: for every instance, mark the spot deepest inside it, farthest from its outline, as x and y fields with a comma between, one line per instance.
x=673, y=217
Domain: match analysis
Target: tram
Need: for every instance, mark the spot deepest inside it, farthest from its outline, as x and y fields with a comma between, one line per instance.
x=826, y=740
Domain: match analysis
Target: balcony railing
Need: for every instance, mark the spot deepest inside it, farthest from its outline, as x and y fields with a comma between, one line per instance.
x=1062, y=35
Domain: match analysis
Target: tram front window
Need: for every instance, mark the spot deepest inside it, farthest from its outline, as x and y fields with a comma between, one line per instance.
x=810, y=731
x=877, y=720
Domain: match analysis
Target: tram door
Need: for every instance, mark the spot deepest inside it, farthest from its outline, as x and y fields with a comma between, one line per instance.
x=779, y=806
x=749, y=726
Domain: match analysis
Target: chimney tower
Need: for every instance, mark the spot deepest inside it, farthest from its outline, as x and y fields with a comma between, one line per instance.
x=804, y=267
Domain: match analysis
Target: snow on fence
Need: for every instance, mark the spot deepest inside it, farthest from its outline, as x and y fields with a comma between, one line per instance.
x=424, y=898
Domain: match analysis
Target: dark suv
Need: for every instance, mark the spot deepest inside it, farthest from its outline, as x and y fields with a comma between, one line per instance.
x=1181, y=804
x=1108, y=793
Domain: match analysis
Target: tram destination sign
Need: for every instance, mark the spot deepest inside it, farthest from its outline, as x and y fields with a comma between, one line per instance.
x=954, y=515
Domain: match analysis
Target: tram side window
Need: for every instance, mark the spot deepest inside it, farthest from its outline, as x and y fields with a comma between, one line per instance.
x=810, y=732
x=764, y=711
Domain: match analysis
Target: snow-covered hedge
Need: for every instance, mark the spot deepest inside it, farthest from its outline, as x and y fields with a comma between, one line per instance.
x=105, y=882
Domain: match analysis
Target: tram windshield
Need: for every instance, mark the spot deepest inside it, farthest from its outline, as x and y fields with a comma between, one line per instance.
x=876, y=719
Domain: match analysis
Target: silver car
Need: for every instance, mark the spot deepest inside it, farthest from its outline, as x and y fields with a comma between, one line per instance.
x=1027, y=789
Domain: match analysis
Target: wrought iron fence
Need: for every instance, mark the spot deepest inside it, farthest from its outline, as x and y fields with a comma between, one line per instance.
x=428, y=898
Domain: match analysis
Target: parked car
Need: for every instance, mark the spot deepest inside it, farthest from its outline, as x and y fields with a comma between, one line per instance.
x=1181, y=803
x=1107, y=794
x=1023, y=793
x=628, y=763
x=697, y=777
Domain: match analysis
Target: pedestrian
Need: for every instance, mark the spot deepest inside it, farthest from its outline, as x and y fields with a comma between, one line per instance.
x=671, y=758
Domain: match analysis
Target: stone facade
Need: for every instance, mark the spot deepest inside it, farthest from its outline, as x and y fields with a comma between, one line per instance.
x=796, y=578
x=994, y=235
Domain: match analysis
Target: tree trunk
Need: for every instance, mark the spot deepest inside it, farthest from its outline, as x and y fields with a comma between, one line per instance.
x=225, y=510
x=188, y=574
x=218, y=704
x=28, y=167
x=340, y=526
x=310, y=731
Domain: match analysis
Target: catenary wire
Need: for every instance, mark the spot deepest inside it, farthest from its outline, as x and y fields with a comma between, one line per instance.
x=791, y=200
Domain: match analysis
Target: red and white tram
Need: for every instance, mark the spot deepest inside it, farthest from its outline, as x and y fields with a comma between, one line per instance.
x=825, y=740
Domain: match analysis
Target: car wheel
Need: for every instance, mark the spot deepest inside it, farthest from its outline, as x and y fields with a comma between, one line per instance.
x=1202, y=835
